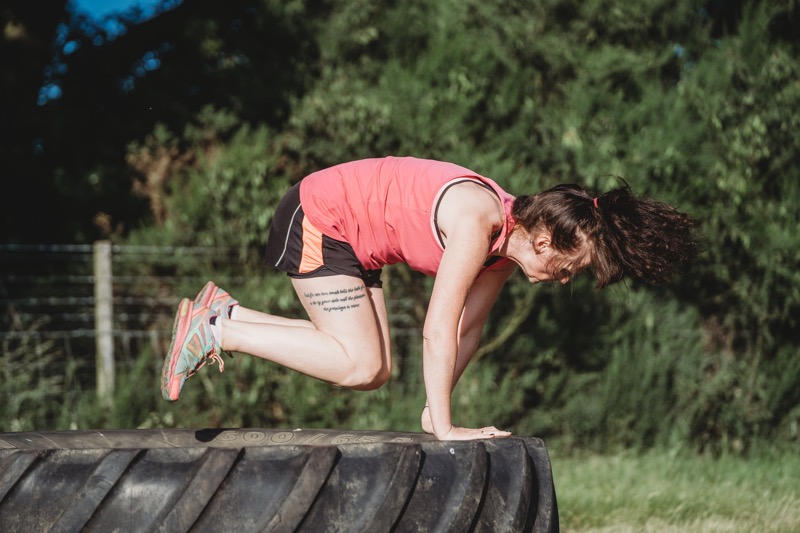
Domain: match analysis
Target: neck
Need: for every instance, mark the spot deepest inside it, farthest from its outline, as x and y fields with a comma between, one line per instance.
x=515, y=239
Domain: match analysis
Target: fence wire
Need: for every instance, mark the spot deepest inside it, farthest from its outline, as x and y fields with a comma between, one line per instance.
x=48, y=300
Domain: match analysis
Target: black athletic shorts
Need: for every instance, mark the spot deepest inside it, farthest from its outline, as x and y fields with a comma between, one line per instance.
x=296, y=247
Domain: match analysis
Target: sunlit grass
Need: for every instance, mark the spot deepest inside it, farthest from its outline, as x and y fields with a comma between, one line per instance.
x=674, y=492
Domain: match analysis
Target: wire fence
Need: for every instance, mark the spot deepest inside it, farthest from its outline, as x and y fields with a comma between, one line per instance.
x=49, y=300
x=48, y=295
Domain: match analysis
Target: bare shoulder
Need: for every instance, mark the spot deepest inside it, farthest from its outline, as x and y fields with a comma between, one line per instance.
x=469, y=204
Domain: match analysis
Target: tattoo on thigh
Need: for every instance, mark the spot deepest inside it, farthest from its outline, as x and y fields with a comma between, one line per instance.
x=338, y=300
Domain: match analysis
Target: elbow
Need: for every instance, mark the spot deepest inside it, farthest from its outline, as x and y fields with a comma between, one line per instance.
x=439, y=346
x=433, y=336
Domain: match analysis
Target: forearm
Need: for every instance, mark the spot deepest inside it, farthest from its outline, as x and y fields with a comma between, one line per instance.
x=467, y=345
x=439, y=372
x=473, y=317
x=469, y=336
x=439, y=365
x=466, y=349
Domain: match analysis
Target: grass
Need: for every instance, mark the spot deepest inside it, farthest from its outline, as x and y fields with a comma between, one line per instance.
x=678, y=492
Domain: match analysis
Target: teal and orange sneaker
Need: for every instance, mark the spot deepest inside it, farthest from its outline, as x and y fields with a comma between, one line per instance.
x=193, y=345
x=216, y=299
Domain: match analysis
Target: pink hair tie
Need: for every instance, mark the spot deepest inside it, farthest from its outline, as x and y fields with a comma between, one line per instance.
x=595, y=203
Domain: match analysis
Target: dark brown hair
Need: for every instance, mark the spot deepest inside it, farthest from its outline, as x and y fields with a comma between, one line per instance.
x=628, y=235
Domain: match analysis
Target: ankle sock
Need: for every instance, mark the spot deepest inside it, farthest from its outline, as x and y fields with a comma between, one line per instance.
x=215, y=330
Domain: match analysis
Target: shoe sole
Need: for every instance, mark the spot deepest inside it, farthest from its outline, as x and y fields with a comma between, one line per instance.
x=170, y=387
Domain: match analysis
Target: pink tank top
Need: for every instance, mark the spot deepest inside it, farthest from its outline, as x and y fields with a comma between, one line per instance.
x=385, y=208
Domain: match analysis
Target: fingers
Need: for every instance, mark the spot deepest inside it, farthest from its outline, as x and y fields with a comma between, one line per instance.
x=490, y=432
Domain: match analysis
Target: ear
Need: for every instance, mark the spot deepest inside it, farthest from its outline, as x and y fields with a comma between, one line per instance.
x=541, y=242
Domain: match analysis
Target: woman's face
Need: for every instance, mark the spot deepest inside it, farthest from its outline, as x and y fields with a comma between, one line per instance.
x=540, y=262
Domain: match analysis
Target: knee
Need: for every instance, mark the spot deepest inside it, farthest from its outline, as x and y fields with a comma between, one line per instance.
x=378, y=379
x=368, y=376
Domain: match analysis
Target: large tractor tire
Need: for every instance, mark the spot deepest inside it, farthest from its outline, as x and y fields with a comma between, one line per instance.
x=270, y=480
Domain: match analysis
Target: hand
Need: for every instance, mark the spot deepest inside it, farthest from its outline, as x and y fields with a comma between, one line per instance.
x=457, y=433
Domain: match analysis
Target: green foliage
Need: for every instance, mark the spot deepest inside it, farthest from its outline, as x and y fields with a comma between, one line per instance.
x=30, y=387
x=601, y=371
x=223, y=183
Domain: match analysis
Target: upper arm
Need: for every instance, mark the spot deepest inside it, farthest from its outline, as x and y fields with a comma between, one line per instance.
x=468, y=216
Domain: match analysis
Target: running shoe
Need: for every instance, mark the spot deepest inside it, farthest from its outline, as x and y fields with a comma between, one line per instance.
x=192, y=346
x=216, y=299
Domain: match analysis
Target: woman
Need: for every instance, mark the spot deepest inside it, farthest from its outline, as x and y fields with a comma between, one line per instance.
x=335, y=230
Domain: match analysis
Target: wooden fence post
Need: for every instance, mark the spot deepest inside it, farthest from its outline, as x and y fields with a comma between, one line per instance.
x=103, y=323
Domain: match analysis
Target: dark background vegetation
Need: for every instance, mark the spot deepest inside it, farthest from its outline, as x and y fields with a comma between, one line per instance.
x=186, y=128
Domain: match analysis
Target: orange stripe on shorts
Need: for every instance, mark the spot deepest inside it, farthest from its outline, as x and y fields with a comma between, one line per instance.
x=312, y=248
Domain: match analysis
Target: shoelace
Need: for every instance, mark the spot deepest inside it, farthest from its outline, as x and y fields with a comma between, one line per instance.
x=214, y=357
x=211, y=359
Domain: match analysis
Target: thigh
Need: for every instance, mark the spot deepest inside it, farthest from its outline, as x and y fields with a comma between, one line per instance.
x=343, y=307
